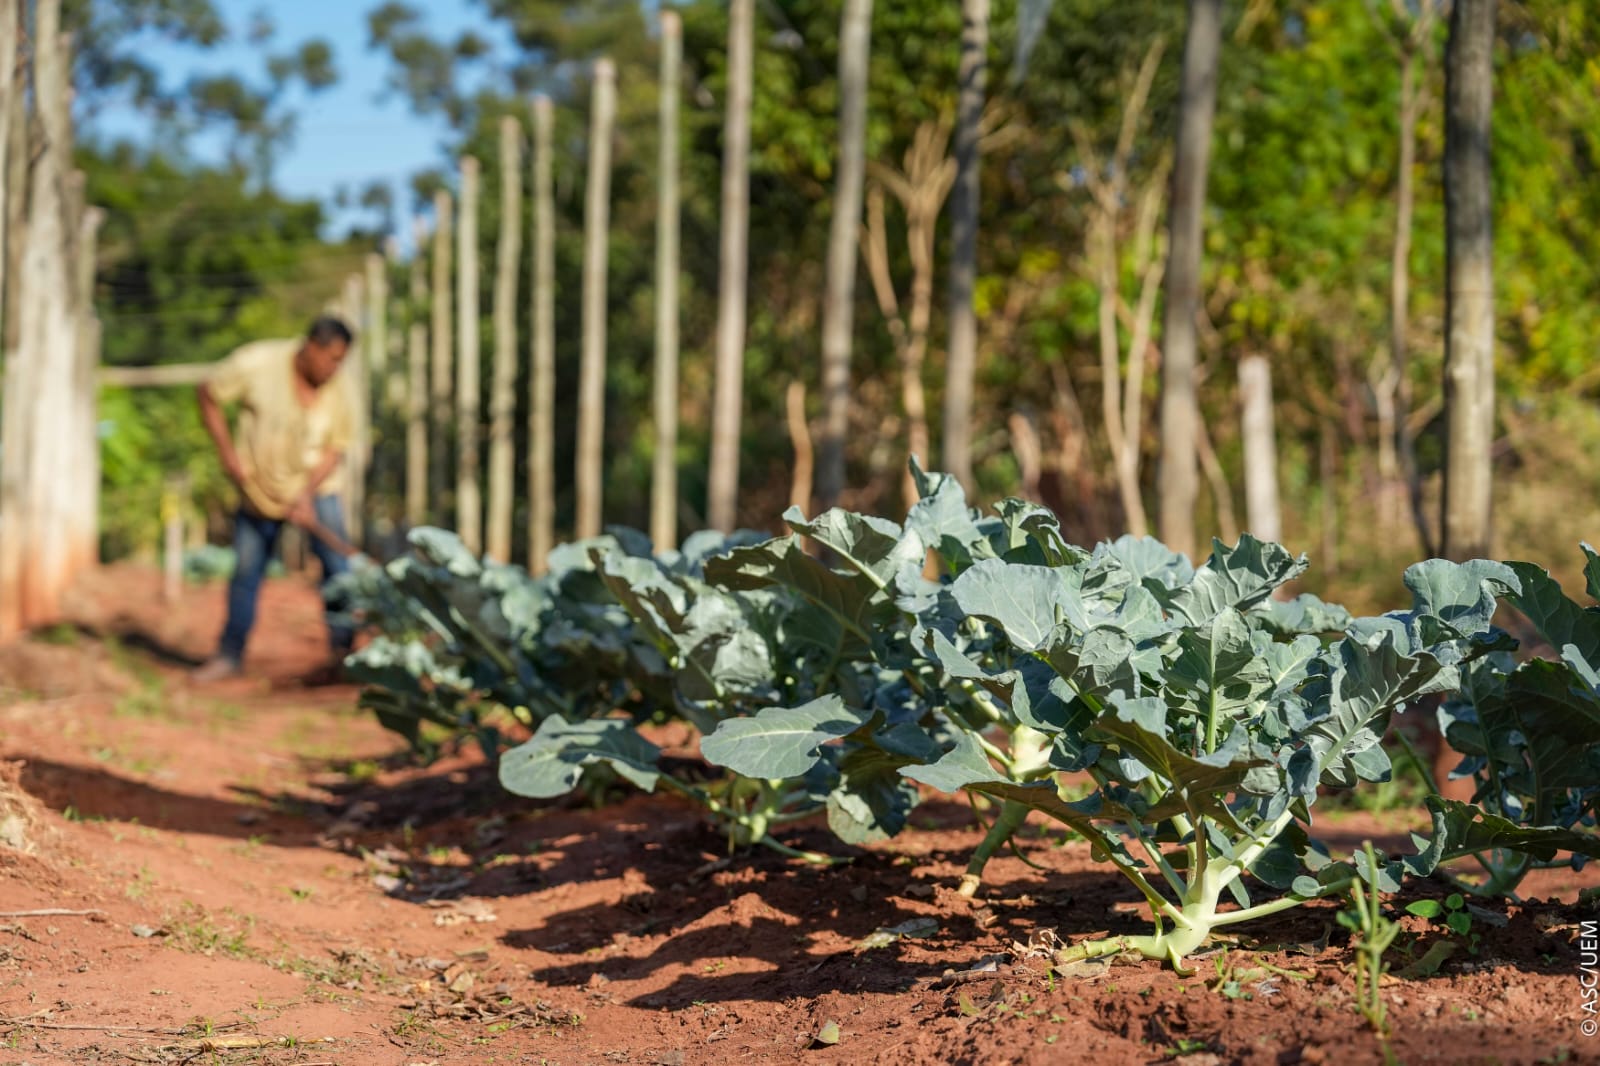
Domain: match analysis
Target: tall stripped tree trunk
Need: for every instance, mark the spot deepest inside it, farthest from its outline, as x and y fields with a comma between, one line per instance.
x=1179, y=405
x=961, y=366
x=41, y=372
x=375, y=325
x=838, y=310
x=1469, y=300
x=503, y=394
x=417, y=386
x=542, y=386
x=358, y=385
x=1397, y=460
x=14, y=412
x=469, y=402
x=441, y=408
x=728, y=390
x=375, y=343
x=592, y=371
x=664, y=472
x=1262, y=516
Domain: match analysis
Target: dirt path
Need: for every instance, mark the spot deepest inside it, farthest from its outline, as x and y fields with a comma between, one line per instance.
x=273, y=884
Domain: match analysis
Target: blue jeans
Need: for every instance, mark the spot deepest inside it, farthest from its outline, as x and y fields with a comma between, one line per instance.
x=254, y=540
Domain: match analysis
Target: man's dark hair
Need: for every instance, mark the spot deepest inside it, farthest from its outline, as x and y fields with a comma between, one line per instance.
x=329, y=329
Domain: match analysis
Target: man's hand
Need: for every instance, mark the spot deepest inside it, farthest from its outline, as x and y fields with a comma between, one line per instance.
x=233, y=468
x=302, y=512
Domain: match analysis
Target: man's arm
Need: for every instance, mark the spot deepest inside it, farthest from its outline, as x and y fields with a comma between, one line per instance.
x=216, y=423
x=303, y=510
x=331, y=457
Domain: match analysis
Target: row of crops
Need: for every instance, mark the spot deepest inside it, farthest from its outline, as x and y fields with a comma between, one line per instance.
x=1202, y=714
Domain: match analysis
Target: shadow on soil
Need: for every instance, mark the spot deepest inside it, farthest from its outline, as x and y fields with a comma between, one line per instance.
x=87, y=794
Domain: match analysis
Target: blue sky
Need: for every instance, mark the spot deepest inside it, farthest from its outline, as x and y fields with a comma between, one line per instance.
x=348, y=135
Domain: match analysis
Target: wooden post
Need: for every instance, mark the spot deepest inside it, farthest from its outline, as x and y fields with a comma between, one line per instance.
x=1179, y=407
x=542, y=384
x=592, y=370
x=358, y=381
x=664, y=473
x=839, y=307
x=502, y=395
x=728, y=388
x=375, y=324
x=375, y=343
x=1469, y=299
x=417, y=386
x=86, y=387
x=962, y=362
x=469, y=505
x=442, y=335
x=171, y=540
x=1262, y=517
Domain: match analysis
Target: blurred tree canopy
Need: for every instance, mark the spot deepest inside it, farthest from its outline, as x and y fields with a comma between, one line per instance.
x=1300, y=220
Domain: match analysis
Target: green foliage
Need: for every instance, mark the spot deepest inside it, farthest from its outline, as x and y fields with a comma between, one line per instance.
x=1530, y=737
x=1206, y=721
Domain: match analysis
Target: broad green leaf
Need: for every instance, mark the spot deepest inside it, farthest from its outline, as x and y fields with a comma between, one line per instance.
x=1469, y=829
x=867, y=544
x=551, y=763
x=1305, y=614
x=1368, y=684
x=852, y=599
x=942, y=520
x=1460, y=598
x=1558, y=619
x=961, y=766
x=780, y=741
x=1030, y=534
x=1026, y=602
x=1150, y=563
x=1140, y=727
x=1238, y=577
x=872, y=800
x=1217, y=671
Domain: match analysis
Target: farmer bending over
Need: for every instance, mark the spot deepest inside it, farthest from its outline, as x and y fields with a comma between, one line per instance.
x=294, y=426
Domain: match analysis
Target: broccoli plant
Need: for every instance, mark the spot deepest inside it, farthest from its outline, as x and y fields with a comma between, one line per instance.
x=1207, y=724
x=723, y=654
x=1530, y=737
x=466, y=644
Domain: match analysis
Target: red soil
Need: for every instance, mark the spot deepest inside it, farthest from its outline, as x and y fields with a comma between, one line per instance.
x=276, y=884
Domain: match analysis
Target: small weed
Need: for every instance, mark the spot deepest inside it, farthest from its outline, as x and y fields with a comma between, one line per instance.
x=140, y=884
x=1187, y=1046
x=147, y=701
x=60, y=635
x=196, y=932
x=1453, y=912
x=1375, y=934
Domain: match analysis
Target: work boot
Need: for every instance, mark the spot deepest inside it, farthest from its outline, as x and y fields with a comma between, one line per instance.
x=216, y=668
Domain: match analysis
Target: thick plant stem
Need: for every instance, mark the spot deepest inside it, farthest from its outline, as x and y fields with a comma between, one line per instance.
x=816, y=858
x=1012, y=817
